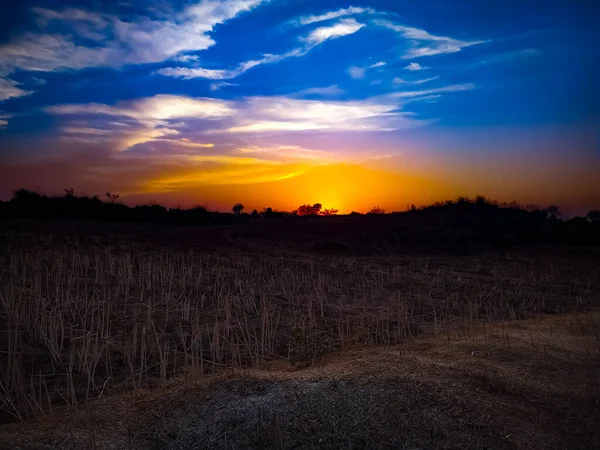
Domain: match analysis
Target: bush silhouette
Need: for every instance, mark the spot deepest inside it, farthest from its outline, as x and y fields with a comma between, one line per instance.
x=310, y=210
x=463, y=221
x=376, y=210
x=237, y=208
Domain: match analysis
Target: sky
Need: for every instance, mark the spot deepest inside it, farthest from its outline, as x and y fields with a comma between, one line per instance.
x=285, y=102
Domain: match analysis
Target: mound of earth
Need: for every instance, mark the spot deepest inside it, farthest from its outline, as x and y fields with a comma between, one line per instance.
x=529, y=384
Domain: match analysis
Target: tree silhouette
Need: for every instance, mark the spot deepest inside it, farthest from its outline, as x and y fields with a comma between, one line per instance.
x=329, y=212
x=112, y=197
x=310, y=210
x=376, y=210
x=594, y=216
x=69, y=192
x=553, y=212
x=255, y=213
x=237, y=208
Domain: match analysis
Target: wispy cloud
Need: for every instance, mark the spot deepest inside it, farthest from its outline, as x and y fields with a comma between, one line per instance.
x=151, y=117
x=357, y=72
x=187, y=58
x=506, y=56
x=360, y=72
x=187, y=73
x=352, y=10
x=275, y=114
x=413, y=66
x=4, y=119
x=398, y=80
x=159, y=107
x=328, y=91
x=221, y=84
x=440, y=90
x=316, y=37
x=291, y=154
x=10, y=89
x=424, y=43
x=344, y=27
x=180, y=120
x=117, y=42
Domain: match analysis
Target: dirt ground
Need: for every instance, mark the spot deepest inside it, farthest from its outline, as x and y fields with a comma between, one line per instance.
x=521, y=384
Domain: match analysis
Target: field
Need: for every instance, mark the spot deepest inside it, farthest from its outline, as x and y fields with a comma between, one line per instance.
x=294, y=334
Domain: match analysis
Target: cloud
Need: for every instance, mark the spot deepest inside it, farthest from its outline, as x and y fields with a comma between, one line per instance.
x=277, y=114
x=186, y=121
x=221, y=74
x=507, y=56
x=398, y=80
x=443, y=89
x=329, y=91
x=187, y=58
x=156, y=108
x=344, y=27
x=219, y=85
x=117, y=42
x=413, y=66
x=306, y=20
x=150, y=117
x=4, y=119
x=10, y=89
x=185, y=142
x=359, y=72
x=426, y=44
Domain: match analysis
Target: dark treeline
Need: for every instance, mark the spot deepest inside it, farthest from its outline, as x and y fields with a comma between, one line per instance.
x=472, y=220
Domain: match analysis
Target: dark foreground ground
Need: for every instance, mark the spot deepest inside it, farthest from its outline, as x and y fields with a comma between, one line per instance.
x=351, y=333
x=531, y=384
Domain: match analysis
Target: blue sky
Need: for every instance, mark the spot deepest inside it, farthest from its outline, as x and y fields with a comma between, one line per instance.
x=167, y=99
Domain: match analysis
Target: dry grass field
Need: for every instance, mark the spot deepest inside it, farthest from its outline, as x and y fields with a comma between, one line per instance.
x=237, y=342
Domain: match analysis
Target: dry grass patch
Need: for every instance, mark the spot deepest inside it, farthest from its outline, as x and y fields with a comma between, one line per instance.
x=542, y=391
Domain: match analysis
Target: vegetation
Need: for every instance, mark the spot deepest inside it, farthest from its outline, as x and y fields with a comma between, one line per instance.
x=449, y=320
x=476, y=220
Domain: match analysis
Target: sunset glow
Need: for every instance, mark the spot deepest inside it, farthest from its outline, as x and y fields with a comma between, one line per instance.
x=278, y=104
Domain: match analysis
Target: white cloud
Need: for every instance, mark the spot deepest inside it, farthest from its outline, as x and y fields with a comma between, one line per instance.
x=273, y=114
x=424, y=80
x=163, y=117
x=117, y=42
x=150, y=115
x=344, y=27
x=306, y=20
x=424, y=43
x=4, y=119
x=38, y=81
x=187, y=58
x=185, y=142
x=291, y=153
x=318, y=36
x=360, y=72
x=219, y=85
x=443, y=89
x=10, y=88
x=187, y=73
x=413, y=66
x=157, y=108
x=328, y=91
x=507, y=56
x=357, y=72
